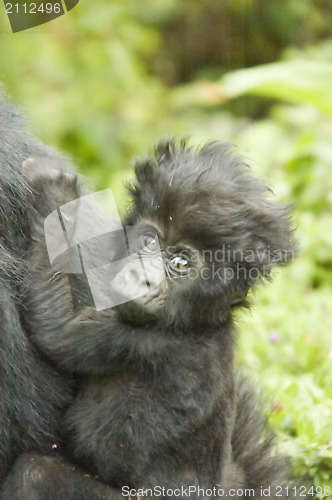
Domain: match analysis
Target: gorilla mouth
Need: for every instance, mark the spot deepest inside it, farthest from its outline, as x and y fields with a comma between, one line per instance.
x=142, y=311
x=153, y=298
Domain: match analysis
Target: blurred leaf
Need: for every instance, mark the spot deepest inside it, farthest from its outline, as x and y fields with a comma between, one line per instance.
x=298, y=81
x=295, y=80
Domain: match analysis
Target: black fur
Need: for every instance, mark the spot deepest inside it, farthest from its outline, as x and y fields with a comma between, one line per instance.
x=33, y=394
x=157, y=402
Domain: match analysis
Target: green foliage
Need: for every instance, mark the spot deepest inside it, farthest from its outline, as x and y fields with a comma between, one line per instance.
x=83, y=81
x=90, y=81
x=296, y=81
x=300, y=81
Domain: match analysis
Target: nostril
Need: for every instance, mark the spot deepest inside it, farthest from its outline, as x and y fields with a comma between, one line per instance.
x=135, y=278
x=132, y=276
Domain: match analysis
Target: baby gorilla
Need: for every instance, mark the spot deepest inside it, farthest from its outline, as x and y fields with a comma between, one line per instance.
x=157, y=404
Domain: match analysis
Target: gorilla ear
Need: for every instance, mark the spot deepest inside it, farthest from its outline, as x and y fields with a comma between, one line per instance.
x=267, y=241
x=272, y=241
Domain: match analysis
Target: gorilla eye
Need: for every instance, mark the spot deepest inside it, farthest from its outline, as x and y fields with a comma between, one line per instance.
x=179, y=265
x=148, y=243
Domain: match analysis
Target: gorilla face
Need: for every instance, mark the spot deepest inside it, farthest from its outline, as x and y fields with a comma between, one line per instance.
x=153, y=273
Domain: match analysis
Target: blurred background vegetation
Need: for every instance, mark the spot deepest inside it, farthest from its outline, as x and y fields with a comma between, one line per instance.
x=105, y=81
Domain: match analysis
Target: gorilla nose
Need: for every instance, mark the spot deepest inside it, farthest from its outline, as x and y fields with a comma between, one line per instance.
x=143, y=274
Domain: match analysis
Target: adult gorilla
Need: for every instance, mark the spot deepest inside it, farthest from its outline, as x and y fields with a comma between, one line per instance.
x=33, y=393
